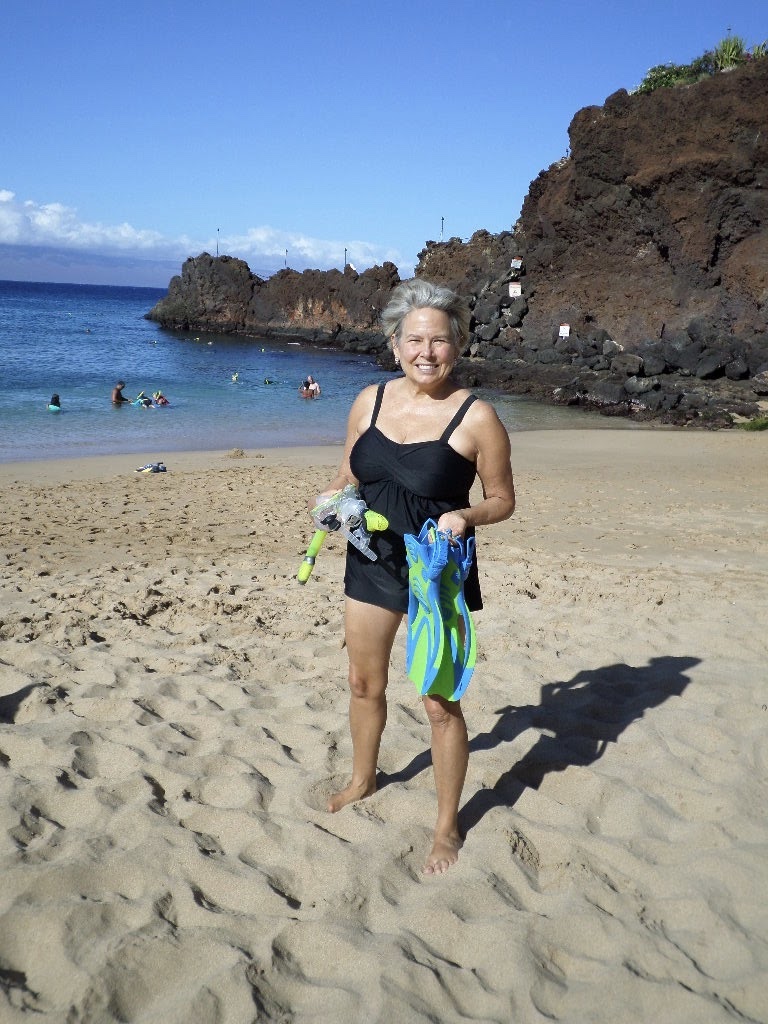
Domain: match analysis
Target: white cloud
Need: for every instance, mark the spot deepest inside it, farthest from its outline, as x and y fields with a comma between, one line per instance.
x=262, y=242
x=263, y=248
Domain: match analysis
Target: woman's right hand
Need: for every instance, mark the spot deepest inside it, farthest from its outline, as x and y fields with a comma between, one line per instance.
x=319, y=499
x=452, y=523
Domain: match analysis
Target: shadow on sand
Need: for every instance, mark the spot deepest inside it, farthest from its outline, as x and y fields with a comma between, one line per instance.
x=576, y=720
x=11, y=702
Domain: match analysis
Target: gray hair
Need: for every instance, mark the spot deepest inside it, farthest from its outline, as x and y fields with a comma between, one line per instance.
x=420, y=294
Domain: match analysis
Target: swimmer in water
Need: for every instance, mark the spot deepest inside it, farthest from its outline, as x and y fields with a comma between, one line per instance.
x=118, y=398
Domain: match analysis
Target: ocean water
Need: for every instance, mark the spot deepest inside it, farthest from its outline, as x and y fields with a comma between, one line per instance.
x=78, y=340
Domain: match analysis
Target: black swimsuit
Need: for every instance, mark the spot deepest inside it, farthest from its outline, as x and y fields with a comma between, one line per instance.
x=407, y=483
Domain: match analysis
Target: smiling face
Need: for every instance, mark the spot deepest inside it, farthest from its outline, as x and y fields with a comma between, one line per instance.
x=425, y=346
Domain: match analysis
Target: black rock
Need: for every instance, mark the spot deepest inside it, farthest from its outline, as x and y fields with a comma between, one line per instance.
x=712, y=363
x=640, y=385
x=626, y=363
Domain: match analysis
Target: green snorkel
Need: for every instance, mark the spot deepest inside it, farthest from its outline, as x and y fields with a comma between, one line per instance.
x=346, y=512
x=308, y=564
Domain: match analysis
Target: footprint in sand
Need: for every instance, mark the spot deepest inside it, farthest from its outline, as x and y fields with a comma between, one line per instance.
x=208, y=845
x=524, y=850
x=230, y=792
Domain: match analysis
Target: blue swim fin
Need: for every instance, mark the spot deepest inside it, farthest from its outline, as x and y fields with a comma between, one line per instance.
x=427, y=556
x=441, y=646
x=460, y=653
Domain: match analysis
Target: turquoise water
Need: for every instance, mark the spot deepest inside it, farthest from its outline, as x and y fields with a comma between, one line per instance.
x=78, y=340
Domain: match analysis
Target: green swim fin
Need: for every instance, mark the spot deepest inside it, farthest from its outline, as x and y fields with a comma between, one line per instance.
x=427, y=556
x=460, y=649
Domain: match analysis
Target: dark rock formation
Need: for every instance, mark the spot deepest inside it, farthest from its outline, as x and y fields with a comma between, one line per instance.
x=658, y=216
x=468, y=267
x=636, y=280
x=220, y=294
x=210, y=294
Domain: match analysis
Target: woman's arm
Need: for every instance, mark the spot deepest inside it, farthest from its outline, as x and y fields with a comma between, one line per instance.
x=492, y=458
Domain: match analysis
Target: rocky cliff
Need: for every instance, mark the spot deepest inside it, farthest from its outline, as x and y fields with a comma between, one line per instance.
x=659, y=214
x=636, y=279
x=221, y=294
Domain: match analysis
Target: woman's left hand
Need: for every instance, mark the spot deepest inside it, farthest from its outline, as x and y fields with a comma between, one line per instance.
x=453, y=522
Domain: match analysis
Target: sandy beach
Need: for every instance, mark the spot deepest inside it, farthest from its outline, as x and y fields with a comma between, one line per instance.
x=173, y=714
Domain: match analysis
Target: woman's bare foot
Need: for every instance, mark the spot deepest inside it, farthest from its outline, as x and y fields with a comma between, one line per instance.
x=445, y=852
x=349, y=795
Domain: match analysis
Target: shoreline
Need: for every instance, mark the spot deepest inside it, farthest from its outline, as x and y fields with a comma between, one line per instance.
x=517, y=419
x=91, y=467
x=173, y=713
x=548, y=442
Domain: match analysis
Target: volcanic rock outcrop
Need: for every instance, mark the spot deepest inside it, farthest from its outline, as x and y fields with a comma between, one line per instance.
x=659, y=215
x=221, y=294
x=636, y=279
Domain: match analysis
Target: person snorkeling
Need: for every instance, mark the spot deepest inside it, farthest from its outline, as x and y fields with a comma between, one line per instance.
x=160, y=398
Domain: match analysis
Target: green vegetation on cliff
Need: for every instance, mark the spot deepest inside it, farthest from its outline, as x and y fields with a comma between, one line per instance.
x=730, y=52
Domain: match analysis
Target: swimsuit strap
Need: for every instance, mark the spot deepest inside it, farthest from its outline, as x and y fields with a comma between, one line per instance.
x=377, y=403
x=457, y=418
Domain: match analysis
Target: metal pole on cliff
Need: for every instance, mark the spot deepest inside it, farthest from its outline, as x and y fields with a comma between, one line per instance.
x=345, y=257
x=217, y=240
x=286, y=259
x=442, y=225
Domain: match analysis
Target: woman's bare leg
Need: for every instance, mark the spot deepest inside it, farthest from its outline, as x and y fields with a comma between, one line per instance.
x=450, y=754
x=370, y=633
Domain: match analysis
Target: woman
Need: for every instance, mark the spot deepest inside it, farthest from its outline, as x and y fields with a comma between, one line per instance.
x=413, y=449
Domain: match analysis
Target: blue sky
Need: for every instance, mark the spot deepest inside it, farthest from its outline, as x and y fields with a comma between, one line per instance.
x=135, y=135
